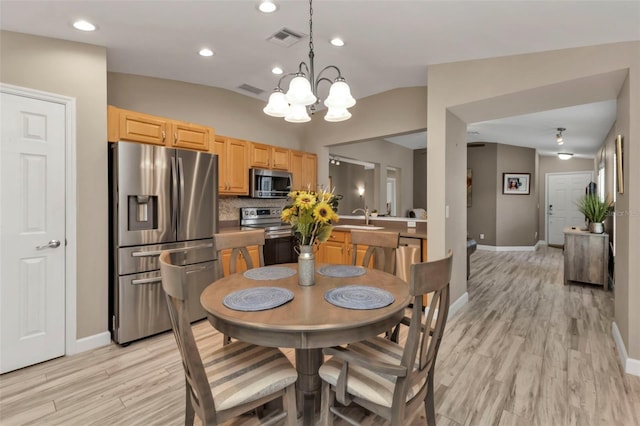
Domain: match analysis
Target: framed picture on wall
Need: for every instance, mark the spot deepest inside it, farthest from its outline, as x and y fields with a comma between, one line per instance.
x=515, y=183
x=619, y=164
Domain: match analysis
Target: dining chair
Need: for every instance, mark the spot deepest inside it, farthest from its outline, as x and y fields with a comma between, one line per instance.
x=381, y=247
x=384, y=376
x=238, y=242
x=235, y=378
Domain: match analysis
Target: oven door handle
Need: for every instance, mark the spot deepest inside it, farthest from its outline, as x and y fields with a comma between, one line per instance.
x=277, y=234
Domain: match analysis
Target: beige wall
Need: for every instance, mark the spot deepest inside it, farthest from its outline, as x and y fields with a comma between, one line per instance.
x=499, y=87
x=76, y=70
x=516, y=215
x=420, y=178
x=481, y=216
x=552, y=164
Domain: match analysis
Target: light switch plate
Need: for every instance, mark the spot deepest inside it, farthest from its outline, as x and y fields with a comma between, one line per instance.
x=411, y=224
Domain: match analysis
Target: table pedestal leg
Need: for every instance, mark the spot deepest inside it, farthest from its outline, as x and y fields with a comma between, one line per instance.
x=308, y=386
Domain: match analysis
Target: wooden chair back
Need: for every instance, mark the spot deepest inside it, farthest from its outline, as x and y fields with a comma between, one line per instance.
x=382, y=247
x=174, y=279
x=238, y=243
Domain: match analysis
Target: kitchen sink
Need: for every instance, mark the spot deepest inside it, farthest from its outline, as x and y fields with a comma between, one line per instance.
x=367, y=227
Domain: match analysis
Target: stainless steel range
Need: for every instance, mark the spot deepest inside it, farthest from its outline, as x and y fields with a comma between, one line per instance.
x=279, y=240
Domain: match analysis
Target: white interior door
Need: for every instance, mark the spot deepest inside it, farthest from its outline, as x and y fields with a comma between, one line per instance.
x=32, y=217
x=563, y=191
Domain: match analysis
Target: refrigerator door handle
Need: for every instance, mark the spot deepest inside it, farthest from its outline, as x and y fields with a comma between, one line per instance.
x=174, y=196
x=176, y=250
x=180, y=192
x=147, y=281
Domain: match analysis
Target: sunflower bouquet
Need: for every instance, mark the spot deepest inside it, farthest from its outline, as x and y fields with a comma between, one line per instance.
x=311, y=214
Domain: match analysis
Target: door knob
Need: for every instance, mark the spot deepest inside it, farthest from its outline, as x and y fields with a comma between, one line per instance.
x=50, y=244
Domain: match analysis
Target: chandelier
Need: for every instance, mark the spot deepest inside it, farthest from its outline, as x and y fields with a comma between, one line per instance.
x=302, y=96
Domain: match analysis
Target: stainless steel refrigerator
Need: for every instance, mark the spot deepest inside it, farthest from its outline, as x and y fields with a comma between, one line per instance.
x=160, y=199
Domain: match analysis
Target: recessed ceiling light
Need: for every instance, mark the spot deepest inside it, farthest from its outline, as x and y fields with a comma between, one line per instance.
x=267, y=6
x=277, y=70
x=206, y=52
x=338, y=42
x=83, y=25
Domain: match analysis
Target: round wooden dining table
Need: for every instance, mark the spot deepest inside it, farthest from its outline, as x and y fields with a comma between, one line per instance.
x=308, y=322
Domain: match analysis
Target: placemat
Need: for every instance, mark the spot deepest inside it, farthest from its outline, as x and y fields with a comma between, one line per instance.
x=269, y=273
x=342, y=271
x=359, y=297
x=257, y=298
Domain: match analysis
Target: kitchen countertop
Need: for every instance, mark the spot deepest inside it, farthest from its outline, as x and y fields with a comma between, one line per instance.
x=420, y=231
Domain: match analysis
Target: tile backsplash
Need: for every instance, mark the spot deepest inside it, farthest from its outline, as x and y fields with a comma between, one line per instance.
x=229, y=207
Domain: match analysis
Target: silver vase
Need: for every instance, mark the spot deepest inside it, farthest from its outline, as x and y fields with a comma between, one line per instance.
x=306, y=266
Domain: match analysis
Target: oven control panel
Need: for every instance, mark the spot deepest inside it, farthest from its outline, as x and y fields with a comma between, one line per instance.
x=260, y=213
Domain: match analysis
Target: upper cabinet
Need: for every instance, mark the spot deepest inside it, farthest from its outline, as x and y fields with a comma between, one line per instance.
x=124, y=125
x=304, y=168
x=268, y=157
x=233, y=173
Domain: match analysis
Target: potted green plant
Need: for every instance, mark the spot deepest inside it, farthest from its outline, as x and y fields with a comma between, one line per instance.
x=595, y=211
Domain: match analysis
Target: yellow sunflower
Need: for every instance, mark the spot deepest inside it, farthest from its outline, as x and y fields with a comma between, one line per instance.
x=323, y=213
x=305, y=201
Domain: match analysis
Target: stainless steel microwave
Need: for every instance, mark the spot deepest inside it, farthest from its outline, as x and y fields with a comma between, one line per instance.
x=269, y=183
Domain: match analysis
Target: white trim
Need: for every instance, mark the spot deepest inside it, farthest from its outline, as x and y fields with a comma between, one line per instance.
x=458, y=304
x=71, y=345
x=540, y=243
x=91, y=342
x=506, y=248
x=630, y=365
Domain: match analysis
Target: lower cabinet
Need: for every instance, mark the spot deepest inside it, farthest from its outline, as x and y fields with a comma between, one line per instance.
x=338, y=249
x=241, y=266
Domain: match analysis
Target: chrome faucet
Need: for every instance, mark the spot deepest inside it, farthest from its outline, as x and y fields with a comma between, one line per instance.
x=366, y=214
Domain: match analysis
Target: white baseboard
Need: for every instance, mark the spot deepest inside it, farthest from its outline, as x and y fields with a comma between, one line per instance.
x=630, y=365
x=90, y=342
x=507, y=248
x=458, y=304
x=540, y=243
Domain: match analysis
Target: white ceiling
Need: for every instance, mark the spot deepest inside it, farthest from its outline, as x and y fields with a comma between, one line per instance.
x=389, y=44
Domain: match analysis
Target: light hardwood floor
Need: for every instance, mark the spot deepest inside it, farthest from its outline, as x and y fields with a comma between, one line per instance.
x=525, y=350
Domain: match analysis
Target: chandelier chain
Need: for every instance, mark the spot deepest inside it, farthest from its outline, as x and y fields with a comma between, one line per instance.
x=311, y=25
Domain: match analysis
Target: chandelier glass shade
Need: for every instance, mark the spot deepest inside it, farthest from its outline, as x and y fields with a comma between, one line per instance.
x=302, y=96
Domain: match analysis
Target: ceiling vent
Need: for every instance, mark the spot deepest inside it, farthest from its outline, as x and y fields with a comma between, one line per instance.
x=285, y=37
x=250, y=88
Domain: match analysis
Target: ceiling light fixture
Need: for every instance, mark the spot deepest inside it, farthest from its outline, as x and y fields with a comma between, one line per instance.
x=559, y=135
x=267, y=6
x=337, y=42
x=302, y=96
x=205, y=52
x=83, y=25
x=564, y=155
x=277, y=70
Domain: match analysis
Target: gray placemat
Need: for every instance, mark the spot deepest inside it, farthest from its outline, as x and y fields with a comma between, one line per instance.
x=359, y=297
x=269, y=273
x=342, y=271
x=257, y=298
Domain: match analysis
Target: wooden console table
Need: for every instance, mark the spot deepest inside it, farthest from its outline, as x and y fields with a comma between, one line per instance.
x=586, y=256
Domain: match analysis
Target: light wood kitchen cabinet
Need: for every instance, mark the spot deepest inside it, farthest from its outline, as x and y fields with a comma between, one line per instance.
x=241, y=266
x=233, y=170
x=338, y=249
x=191, y=136
x=304, y=169
x=133, y=126
x=268, y=157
